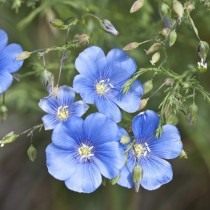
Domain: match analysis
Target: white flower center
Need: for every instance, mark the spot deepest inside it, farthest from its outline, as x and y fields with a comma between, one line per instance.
x=85, y=151
x=63, y=113
x=141, y=149
x=103, y=86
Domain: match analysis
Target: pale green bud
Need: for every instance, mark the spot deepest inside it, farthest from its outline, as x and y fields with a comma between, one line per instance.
x=148, y=86
x=172, y=38
x=24, y=55
x=137, y=176
x=8, y=138
x=155, y=47
x=155, y=58
x=178, y=8
x=136, y=6
x=32, y=153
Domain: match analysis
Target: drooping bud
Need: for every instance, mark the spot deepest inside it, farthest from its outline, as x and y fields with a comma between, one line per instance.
x=109, y=27
x=155, y=58
x=178, y=8
x=148, y=85
x=131, y=46
x=137, y=176
x=24, y=55
x=172, y=38
x=8, y=138
x=32, y=153
x=155, y=47
x=136, y=6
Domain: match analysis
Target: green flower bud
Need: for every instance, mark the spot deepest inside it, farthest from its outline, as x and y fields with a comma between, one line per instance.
x=137, y=176
x=32, y=153
x=136, y=6
x=155, y=58
x=24, y=55
x=108, y=27
x=8, y=138
x=148, y=86
x=131, y=46
x=59, y=24
x=165, y=9
x=155, y=47
x=172, y=38
x=178, y=8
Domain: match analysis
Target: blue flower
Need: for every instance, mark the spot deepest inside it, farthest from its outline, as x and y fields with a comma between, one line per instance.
x=101, y=80
x=146, y=157
x=8, y=61
x=83, y=150
x=61, y=107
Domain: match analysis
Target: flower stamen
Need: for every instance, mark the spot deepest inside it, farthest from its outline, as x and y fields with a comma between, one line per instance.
x=141, y=149
x=63, y=113
x=85, y=151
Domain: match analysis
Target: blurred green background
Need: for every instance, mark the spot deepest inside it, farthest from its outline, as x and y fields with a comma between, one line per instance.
x=27, y=186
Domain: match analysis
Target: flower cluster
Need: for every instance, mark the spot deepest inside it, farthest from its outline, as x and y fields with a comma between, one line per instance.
x=9, y=62
x=83, y=151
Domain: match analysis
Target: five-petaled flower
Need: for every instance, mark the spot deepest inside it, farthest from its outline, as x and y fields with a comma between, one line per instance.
x=148, y=152
x=61, y=107
x=8, y=61
x=83, y=150
x=102, y=78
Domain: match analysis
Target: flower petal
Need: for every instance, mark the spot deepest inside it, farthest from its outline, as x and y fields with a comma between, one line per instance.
x=5, y=81
x=90, y=61
x=65, y=95
x=156, y=172
x=124, y=65
x=107, y=153
x=130, y=102
x=85, y=87
x=126, y=178
x=168, y=145
x=60, y=163
x=86, y=178
x=8, y=58
x=3, y=39
x=109, y=108
x=144, y=125
x=49, y=121
x=79, y=108
x=49, y=104
x=100, y=129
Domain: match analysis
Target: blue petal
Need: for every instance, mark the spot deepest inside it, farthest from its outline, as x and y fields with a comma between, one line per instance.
x=49, y=104
x=79, y=108
x=8, y=58
x=86, y=178
x=169, y=144
x=90, y=61
x=144, y=125
x=3, y=39
x=100, y=129
x=65, y=95
x=126, y=178
x=156, y=172
x=5, y=81
x=65, y=135
x=109, y=153
x=49, y=121
x=130, y=102
x=60, y=163
x=124, y=65
x=85, y=87
x=109, y=108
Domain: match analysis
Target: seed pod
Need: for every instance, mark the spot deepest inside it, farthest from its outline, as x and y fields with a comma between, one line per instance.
x=136, y=6
x=178, y=8
x=155, y=47
x=164, y=8
x=137, y=176
x=172, y=38
x=8, y=138
x=24, y=55
x=148, y=85
x=131, y=46
x=108, y=27
x=32, y=153
x=155, y=58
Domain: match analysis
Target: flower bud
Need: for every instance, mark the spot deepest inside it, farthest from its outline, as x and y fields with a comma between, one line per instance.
x=137, y=176
x=203, y=49
x=131, y=46
x=172, y=38
x=32, y=153
x=155, y=47
x=8, y=138
x=178, y=8
x=155, y=58
x=24, y=55
x=108, y=27
x=59, y=24
x=144, y=102
x=148, y=85
x=137, y=5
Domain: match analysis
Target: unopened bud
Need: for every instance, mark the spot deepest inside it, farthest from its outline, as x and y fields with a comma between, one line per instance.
x=131, y=46
x=172, y=38
x=203, y=49
x=144, y=102
x=108, y=27
x=165, y=9
x=24, y=55
x=178, y=8
x=32, y=153
x=137, y=176
x=155, y=47
x=59, y=24
x=155, y=58
x=8, y=138
x=136, y=6
x=148, y=85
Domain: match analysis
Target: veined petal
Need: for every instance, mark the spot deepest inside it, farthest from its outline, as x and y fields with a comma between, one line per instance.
x=85, y=87
x=168, y=145
x=49, y=104
x=144, y=125
x=156, y=172
x=107, y=153
x=60, y=163
x=124, y=65
x=109, y=108
x=65, y=95
x=5, y=81
x=100, y=129
x=3, y=39
x=130, y=102
x=8, y=58
x=126, y=178
x=49, y=121
x=65, y=135
x=86, y=178
x=79, y=108
x=90, y=61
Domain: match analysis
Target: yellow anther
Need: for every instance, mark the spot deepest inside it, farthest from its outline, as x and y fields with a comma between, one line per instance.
x=101, y=88
x=63, y=113
x=139, y=150
x=85, y=151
